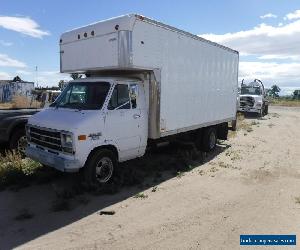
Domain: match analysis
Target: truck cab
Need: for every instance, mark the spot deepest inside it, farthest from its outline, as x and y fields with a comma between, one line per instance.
x=252, y=98
x=91, y=114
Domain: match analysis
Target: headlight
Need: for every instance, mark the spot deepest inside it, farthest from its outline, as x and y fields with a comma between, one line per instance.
x=67, y=140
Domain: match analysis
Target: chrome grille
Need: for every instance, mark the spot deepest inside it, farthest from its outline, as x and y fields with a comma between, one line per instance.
x=246, y=101
x=45, y=137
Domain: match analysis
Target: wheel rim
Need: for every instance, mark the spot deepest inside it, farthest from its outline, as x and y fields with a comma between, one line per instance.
x=104, y=169
x=212, y=140
x=21, y=144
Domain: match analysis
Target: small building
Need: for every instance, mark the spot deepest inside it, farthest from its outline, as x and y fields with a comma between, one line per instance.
x=15, y=87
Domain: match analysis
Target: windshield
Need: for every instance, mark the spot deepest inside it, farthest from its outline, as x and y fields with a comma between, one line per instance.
x=83, y=95
x=250, y=90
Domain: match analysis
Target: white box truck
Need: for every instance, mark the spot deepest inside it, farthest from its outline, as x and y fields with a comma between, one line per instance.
x=146, y=83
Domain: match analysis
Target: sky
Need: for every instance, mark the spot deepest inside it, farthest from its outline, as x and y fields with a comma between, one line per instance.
x=265, y=32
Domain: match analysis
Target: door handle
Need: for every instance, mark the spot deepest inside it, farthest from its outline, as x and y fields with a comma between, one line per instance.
x=135, y=116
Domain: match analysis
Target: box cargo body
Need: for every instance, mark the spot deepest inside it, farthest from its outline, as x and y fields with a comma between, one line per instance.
x=196, y=79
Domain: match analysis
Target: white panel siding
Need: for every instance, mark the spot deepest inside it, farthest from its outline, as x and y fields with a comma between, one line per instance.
x=198, y=80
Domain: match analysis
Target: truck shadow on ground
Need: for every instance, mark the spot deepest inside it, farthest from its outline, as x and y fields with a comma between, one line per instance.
x=253, y=116
x=31, y=212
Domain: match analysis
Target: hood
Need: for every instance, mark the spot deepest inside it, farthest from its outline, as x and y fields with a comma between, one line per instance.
x=65, y=119
x=254, y=96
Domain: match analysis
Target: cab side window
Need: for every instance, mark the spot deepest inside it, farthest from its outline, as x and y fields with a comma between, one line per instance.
x=133, y=90
x=119, y=98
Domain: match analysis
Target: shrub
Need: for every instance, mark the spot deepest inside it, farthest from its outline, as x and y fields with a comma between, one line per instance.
x=16, y=170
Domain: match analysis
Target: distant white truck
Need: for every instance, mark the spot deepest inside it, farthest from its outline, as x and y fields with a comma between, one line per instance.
x=146, y=83
x=253, y=99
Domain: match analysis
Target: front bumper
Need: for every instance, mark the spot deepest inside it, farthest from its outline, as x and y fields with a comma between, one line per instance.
x=250, y=110
x=52, y=160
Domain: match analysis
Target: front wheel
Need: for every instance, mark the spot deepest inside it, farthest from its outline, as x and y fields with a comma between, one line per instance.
x=261, y=112
x=100, y=167
x=18, y=141
x=266, y=109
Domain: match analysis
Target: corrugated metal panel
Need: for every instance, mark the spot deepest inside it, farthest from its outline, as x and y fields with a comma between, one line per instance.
x=10, y=89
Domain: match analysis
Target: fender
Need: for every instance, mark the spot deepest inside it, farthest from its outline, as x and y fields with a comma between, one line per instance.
x=8, y=124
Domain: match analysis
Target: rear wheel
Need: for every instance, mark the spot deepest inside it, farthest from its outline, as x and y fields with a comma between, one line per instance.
x=234, y=125
x=209, y=139
x=100, y=167
x=18, y=141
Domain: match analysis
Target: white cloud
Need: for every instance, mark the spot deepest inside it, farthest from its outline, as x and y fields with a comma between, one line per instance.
x=272, y=52
x=269, y=15
x=293, y=15
x=5, y=43
x=263, y=40
x=4, y=76
x=278, y=57
x=282, y=74
x=51, y=78
x=43, y=78
x=24, y=25
x=6, y=61
x=24, y=72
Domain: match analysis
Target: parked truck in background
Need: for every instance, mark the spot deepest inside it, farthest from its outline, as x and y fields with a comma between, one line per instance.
x=146, y=83
x=13, y=120
x=12, y=127
x=253, y=98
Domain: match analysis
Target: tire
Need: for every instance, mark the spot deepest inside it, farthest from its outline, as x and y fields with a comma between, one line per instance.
x=18, y=141
x=100, y=167
x=234, y=125
x=222, y=131
x=261, y=112
x=266, y=109
x=209, y=139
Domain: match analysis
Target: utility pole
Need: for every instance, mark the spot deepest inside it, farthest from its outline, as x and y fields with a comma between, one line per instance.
x=36, y=76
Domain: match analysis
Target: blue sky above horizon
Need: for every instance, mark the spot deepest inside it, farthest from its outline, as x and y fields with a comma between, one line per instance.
x=265, y=32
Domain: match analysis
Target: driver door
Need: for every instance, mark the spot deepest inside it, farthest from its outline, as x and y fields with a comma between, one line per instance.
x=122, y=122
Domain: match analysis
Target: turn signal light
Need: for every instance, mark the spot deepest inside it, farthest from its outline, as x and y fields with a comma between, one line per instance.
x=81, y=137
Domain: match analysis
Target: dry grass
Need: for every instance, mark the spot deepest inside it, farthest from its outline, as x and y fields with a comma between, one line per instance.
x=17, y=172
x=19, y=102
x=14, y=169
x=285, y=102
x=140, y=196
x=6, y=105
x=242, y=123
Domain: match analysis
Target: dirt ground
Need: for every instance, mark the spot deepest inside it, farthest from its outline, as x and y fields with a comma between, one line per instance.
x=251, y=185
